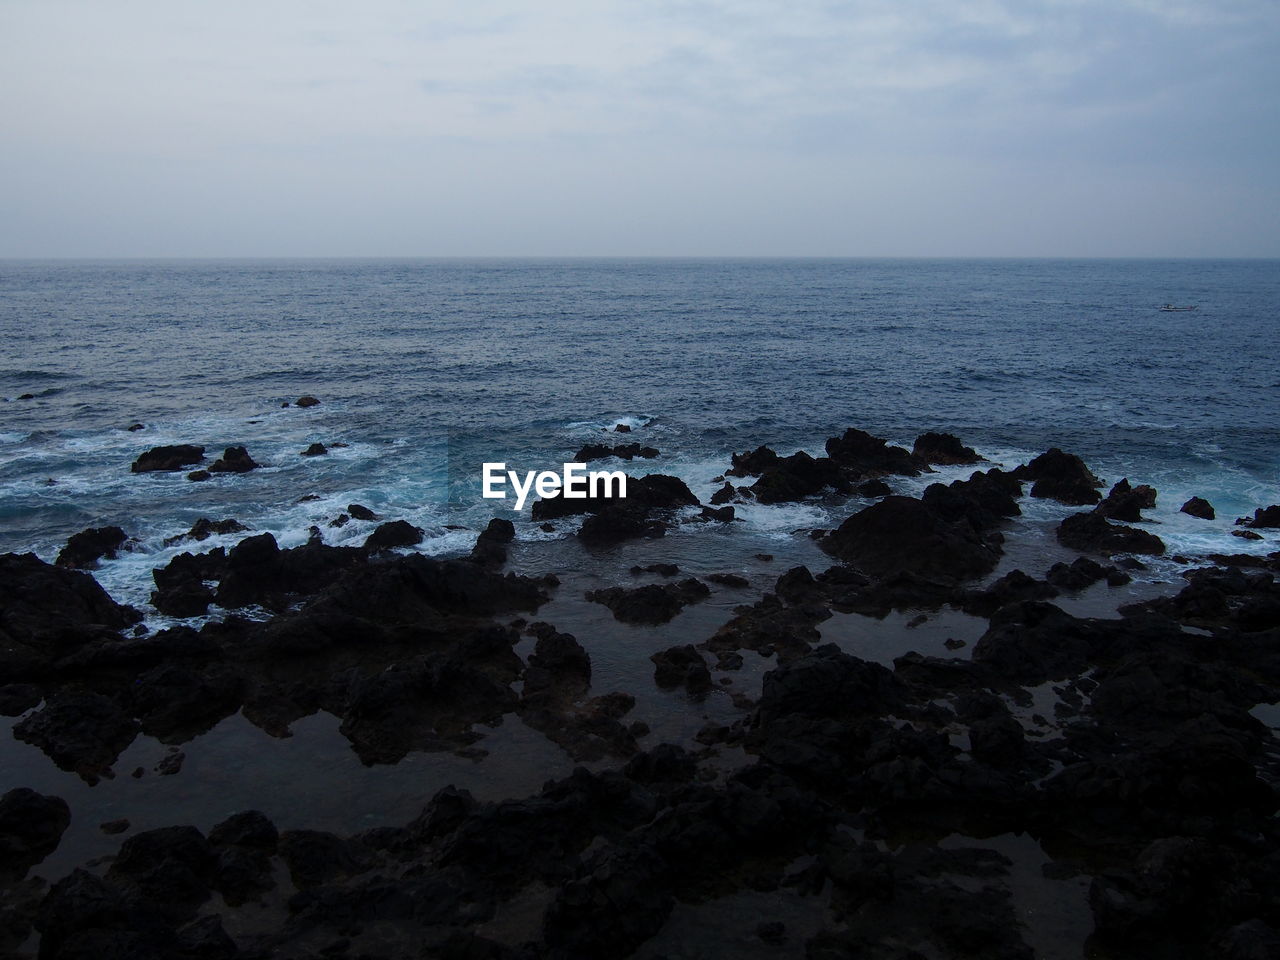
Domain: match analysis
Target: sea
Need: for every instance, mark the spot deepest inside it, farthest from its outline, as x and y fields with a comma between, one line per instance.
x=426, y=369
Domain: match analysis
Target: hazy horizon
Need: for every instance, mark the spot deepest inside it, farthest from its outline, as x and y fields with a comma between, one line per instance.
x=683, y=128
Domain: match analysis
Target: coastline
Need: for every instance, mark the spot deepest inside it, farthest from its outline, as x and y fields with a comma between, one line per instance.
x=805, y=711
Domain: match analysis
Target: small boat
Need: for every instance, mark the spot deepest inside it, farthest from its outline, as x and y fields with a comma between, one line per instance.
x=1170, y=308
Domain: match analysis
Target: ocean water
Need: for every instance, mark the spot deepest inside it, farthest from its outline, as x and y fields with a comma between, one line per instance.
x=427, y=368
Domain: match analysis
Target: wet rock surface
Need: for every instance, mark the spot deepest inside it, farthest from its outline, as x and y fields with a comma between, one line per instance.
x=876, y=799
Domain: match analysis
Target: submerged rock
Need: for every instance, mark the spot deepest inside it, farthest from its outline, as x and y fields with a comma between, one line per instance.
x=624, y=451
x=653, y=603
x=204, y=528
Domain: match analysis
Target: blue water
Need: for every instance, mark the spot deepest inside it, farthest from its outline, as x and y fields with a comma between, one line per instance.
x=426, y=368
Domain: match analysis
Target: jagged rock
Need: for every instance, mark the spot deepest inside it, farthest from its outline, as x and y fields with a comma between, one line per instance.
x=653, y=603
x=901, y=534
x=358, y=511
x=625, y=451
x=1062, y=477
x=234, y=460
x=1092, y=533
x=1265, y=517
x=315, y=450
x=1199, y=507
x=31, y=825
x=681, y=666
x=306, y=401
x=204, y=528
x=168, y=458
x=943, y=449
x=396, y=533
x=87, y=547
x=1126, y=503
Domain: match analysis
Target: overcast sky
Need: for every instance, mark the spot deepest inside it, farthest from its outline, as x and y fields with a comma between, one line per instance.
x=639, y=127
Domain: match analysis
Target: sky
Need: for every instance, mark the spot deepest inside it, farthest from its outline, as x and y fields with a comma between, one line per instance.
x=141, y=128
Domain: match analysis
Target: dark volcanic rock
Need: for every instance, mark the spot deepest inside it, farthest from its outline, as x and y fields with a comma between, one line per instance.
x=315, y=450
x=1083, y=572
x=653, y=492
x=1062, y=477
x=901, y=534
x=199, y=476
x=306, y=401
x=360, y=512
x=661, y=569
x=204, y=528
x=623, y=451
x=681, y=666
x=1126, y=503
x=866, y=456
x=615, y=524
x=653, y=603
x=1014, y=587
x=87, y=547
x=168, y=458
x=1265, y=517
x=874, y=488
x=1092, y=533
x=752, y=463
x=944, y=448
x=490, y=549
x=81, y=732
x=396, y=533
x=723, y=495
x=234, y=460
x=793, y=478
x=30, y=827
x=52, y=608
x=1199, y=507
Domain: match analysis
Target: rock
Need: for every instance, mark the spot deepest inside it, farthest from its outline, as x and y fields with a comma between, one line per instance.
x=1062, y=477
x=52, y=609
x=1125, y=502
x=87, y=547
x=1092, y=533
x=752, y=464
x=135, y=427
x=306, y=401
x=653, y=603
x=901, y=534
x=360, y=512
x=723, y=495
x=490, y=549
x=113, y=827
x=1014, y=587
x=866, y=456
x=1199, y=507
x=613, y=525
x=198, y=476
x=31, y=825
x=621, y=428
x=720, y=514
x=1080, y=573
x=625, y=451
x=315, y=450
x=644, y=494
x=81, y=732
x=661, y=569
x=729, y=580
x=1246, y=534
x=681, y=666
x=234, y=460
x=396, y=533
x=944, y=449
x=873, y=488
x=792, y=478
x=204, y=528
x=168, y=458
x=1266, y=517
x=17, y=698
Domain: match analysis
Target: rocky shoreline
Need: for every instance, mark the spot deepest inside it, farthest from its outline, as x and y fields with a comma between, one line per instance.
x=1127, y=747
